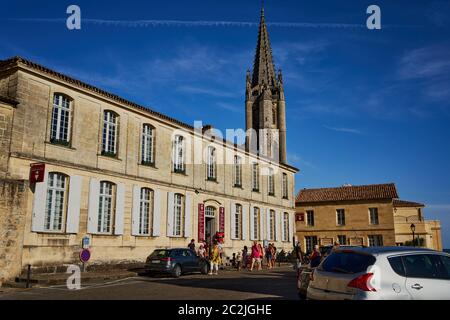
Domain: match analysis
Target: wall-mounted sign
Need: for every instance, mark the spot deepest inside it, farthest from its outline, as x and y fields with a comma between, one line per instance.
x=201, y=222
x=37, y=172
x=300, y=216
x=86, y=242
x=222, y=220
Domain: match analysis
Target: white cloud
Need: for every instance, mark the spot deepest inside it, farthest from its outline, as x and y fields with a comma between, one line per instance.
x=344, y=130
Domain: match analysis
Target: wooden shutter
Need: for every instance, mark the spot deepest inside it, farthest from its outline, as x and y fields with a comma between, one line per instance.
x=120, y=209
x=39, y=204
x=157, y=213
x=244, y=222
x=252, y=224
x=94, y=194
x=170, y=204
x=73, y=205
x=135, y=211
x=188, y=216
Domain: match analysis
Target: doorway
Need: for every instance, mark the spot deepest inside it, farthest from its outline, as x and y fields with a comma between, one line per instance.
x=210, y=224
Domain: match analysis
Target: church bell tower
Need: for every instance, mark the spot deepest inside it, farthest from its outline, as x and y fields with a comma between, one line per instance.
x=265, y=106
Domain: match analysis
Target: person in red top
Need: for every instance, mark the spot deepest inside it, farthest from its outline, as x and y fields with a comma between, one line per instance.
x=256, y=256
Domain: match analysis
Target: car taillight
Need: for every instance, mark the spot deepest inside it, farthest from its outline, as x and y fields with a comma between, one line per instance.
x=362, y=283
x=167, y=259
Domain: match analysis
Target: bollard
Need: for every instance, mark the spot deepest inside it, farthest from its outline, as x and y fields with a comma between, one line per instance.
x=28, y=276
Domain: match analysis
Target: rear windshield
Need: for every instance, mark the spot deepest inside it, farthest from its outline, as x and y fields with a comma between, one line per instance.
x=347, y=262
x=160, y=254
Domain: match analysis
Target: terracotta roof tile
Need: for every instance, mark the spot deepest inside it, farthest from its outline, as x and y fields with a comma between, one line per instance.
x=402, y=203
x=348, y=193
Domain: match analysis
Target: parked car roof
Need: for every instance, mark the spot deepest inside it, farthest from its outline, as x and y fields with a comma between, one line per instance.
x=381, y=250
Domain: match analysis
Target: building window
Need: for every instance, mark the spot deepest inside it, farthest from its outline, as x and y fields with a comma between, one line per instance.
x=148, y=145
x=56, y=201
x=238, y=222
x=375, y=241
x=271, y=182
x=285, y=186
x=210, y=212
x=178, y=154
x=340, y=217
x=310, y=242
x=272, y=225
x=255, y=176
x=286, y=226
x=310, y=218
x=211, y=164
x=237, y=171
x=145, y=212
x=342, y=240
x=178, y=215
x=256, y=220
x=105, y=208
x=60, y=125
x=373, y=215
x=110, y=130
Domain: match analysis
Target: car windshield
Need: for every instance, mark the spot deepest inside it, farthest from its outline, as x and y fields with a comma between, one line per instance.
x=159, y=254
x=347, y=262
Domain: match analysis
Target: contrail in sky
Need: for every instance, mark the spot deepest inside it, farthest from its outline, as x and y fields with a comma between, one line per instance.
x=181, y=23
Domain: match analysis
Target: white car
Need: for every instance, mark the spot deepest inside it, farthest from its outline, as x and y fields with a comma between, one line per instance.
x=382, y=273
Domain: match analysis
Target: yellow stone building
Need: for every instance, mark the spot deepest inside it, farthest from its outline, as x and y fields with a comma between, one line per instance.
x=130, y=179
x=369, y=215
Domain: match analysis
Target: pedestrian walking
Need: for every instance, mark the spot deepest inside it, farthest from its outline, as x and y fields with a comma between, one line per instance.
x=244, y=257
x=269, y=256
x=239, y=261
x=299, y=255
x=201, y=251
x=261, y=254
x=214, y=260
x=274, y=254
x=256, y=255
x=191, y=245
x=316, y=257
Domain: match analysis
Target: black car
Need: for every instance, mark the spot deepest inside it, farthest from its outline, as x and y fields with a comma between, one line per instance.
x=175, y=262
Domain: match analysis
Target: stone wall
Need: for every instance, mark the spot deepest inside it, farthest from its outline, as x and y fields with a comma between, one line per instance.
x=13, y=199
x=6, y=114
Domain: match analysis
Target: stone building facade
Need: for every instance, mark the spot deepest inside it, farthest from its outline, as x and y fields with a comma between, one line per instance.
x=125, y=177
x=370, y=215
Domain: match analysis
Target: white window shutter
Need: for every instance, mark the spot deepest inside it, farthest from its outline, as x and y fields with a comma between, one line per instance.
x=94, y=194
x=39, y=203
x=252, y=224
x=120, y=209
x=262, y=213
x=267, y=224
x=244, y=222
x=232, y=221
x=188, y=216
x=170, y=204
x=277, y=225
x=156, y=213
x=283, y=228
x=291, y=226
x=135, y=211
x=73, y=205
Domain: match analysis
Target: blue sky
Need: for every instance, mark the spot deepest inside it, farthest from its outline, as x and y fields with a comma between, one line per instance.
x=363, y=106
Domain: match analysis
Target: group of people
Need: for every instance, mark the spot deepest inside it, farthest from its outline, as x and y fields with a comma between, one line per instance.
x=244, y=259
x=249, y=260
x=213, y=254
x=314, y=258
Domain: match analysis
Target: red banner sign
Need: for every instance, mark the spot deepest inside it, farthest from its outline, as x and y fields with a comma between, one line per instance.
x=222, y=220
x=201, y=222
x=37, y=172
x=300, y=216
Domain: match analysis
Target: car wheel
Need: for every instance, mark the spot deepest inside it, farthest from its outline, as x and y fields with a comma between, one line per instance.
x=204, y=268
x=176, y=272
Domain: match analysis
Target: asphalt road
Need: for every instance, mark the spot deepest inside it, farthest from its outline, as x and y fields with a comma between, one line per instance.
x=279, y=283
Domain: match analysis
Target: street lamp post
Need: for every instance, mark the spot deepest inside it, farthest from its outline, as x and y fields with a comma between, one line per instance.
x=413, y=229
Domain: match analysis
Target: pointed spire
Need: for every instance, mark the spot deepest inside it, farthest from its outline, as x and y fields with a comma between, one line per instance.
x=263, y=67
